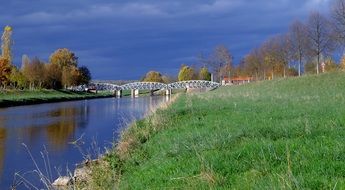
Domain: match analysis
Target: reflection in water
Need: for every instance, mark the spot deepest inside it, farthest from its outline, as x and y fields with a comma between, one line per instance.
x=2, y=148
x=63, y=130
x=55, y=125
x=59, y=129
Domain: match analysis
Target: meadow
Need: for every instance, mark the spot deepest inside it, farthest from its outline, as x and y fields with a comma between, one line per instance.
x=280, y=134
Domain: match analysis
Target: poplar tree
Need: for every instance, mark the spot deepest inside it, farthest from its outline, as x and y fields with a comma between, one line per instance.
x=7, y=43
x=6, y=57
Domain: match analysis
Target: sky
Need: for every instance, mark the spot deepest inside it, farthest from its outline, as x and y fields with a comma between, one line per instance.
x=123, y=39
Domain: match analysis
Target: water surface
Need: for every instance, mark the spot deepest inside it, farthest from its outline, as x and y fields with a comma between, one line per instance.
x=93, y=124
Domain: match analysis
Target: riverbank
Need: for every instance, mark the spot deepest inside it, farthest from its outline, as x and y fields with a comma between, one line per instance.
x=27, y=97
x=281, y=134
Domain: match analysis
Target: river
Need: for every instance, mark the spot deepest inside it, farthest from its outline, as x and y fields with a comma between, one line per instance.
x=66, y=130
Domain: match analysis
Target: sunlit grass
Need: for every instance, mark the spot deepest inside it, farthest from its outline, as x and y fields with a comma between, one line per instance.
x=282, y=134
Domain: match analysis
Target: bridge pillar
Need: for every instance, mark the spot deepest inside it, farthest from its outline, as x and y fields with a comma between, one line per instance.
x=168, y=92
x=134, y=93
x=151, y=92
x=119, y=93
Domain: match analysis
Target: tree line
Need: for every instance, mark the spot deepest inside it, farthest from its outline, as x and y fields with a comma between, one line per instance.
x=307, y=47
x=61, y=71
x=216, y=65
x=186, y=73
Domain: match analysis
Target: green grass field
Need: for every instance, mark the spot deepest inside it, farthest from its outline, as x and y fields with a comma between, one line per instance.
x=281, y=134
x=23, y=97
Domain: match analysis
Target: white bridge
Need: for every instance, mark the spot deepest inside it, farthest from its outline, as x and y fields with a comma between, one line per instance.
x=136, y=86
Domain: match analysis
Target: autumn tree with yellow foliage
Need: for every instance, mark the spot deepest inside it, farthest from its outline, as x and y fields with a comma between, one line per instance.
x=6, y=45
x=153, y=76
x=5, y=71
x=62, y=69
x=342, y=63
x=187, y=73
x=6, y=57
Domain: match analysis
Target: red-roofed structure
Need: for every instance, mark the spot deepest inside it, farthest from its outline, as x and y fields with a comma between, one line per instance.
x=236, y=80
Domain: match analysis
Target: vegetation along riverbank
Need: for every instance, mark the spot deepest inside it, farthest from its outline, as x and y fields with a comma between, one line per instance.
x=285, y=133
x=26, y=97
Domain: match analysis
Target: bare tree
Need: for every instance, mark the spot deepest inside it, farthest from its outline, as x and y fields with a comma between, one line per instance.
x=320, y=36
x=253, y=63
x=338, y=15
x=282, y=46
x=202, y=60
x=220, y=61
x=276, y=57
x=298, y=43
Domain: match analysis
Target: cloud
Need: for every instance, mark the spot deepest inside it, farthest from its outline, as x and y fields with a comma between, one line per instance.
x=147, y=34
x=140, y=10
x=319, y=5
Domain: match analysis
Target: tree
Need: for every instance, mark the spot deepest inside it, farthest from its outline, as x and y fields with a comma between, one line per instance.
x=338, y=15
x=34, y=72
x=342, y=63
x=6, y=44
x=276, y=56
x=282, y=46
x=70, y=76
x=53, y=76
x=330, y=65
x=64, y=58
x=239, y=70
x=320, y=37
x=67, y=62
x=5, y=71
x=204, y=74
x=25, y=60
x=169, y=79
x=186, y=73
x=85, y=75
x=269, y=61
x=202, y=59
x=220, y=61
x=153, y=76
x=292, y=72
x=299, y=41
x=253, y=63
x=18, y=79
x=309, y=67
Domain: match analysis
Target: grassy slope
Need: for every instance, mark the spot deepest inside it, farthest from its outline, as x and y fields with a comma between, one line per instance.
x=275, y=134
x=17, y=97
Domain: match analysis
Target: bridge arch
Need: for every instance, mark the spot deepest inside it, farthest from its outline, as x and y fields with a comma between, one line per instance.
x=144, y=86
x=136, y=86
x=193, y=84
x=105, y=86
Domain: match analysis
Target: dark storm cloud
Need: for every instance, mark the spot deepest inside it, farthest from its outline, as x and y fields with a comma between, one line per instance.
x=124, y=39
